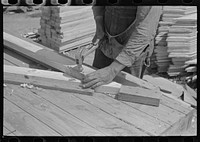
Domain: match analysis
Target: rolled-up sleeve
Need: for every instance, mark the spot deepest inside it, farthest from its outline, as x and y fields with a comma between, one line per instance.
x=146, y=22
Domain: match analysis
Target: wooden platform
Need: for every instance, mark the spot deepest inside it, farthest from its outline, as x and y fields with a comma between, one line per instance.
x=45, y=112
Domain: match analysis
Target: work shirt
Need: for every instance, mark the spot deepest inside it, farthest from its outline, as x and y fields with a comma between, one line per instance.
x=129, y=30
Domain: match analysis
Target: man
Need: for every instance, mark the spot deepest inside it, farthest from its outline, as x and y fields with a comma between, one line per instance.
x=125, y=36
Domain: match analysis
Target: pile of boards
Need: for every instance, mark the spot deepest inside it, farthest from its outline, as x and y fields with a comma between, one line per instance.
x=174, y=27
x=182, y=43
x=66, y=27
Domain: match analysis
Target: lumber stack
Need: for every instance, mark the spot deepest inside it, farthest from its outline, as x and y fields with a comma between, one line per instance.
x=66, y=27
x=161, y=55
x=182, y=43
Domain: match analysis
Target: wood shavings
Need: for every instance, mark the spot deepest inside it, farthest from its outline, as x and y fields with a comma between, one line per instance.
x=24, y=85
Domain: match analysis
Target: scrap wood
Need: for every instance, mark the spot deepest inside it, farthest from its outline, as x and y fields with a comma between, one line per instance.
x=139, y=95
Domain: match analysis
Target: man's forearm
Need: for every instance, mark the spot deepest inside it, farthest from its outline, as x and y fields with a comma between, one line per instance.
x=117, y=66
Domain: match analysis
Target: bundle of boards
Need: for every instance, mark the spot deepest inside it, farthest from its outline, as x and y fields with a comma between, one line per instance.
x=66, y=27
x=174, y=28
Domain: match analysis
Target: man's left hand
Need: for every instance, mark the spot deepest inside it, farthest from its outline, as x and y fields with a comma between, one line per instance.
x=102, y=76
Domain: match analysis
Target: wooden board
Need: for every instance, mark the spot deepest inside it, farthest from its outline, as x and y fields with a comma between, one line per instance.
x=165, y=85
x=112, y=107
x=75, y=117
x=23, y=123
x=19, y=76
x=66, y=64
x=139, y=95
x=54, y=117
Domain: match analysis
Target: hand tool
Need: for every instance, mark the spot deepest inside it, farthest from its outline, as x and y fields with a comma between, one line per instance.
x=83, y=52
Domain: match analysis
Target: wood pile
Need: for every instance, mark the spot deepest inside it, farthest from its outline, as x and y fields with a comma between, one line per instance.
x=182, y=43
x=161, y=57
x=66, y=27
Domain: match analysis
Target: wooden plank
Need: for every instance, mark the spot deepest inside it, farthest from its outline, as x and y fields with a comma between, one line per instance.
x=102, y=122
x=139, y=95
x=23, y=123
x=98, y=117
x=165, y=85
x=44, y=55
x=61, y=121
x=19, y=60
x=182, y=125
x=19, y=75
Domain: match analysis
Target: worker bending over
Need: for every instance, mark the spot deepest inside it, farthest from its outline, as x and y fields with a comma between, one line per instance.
x=125, y=36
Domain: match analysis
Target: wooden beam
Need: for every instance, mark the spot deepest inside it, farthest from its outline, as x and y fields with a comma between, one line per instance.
x=139, y=95
x=44, y=79
x=65, y=64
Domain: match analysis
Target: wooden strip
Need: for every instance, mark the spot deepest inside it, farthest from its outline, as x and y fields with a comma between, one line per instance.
x=22, y=75
x=139, y=95
x=24, y=123
x=49, y=114
x=181, y=126
x=96, y=118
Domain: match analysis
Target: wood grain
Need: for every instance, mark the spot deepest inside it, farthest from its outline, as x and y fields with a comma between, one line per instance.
x=139, y=95
x=61, y=121
x=25, y=124
x=19, y=76
x=100, y=118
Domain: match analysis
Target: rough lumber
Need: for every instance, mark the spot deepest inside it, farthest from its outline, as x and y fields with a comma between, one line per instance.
x=182, y=125
x=23, y=123
x=54, y=117
x=40, y=54
x=139, y=95
x=144, y=120
x=98, y=117
x=20, y=75
x=165, y=85
x=69, y=116
x=65, y=64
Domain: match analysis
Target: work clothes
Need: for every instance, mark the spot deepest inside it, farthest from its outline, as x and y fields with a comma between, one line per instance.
x=129, y=34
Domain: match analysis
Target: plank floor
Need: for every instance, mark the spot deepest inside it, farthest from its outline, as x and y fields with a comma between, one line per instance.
x=43, y=112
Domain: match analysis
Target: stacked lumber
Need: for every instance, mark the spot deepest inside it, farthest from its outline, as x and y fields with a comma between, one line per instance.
x=66, y=27
x=182, y=44
x=161, y=56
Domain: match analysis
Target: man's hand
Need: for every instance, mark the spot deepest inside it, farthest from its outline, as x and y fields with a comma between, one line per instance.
x=102, y=76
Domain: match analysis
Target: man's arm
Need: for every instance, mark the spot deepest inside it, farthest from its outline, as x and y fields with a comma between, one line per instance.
x=98, y=12
x=146, y=22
